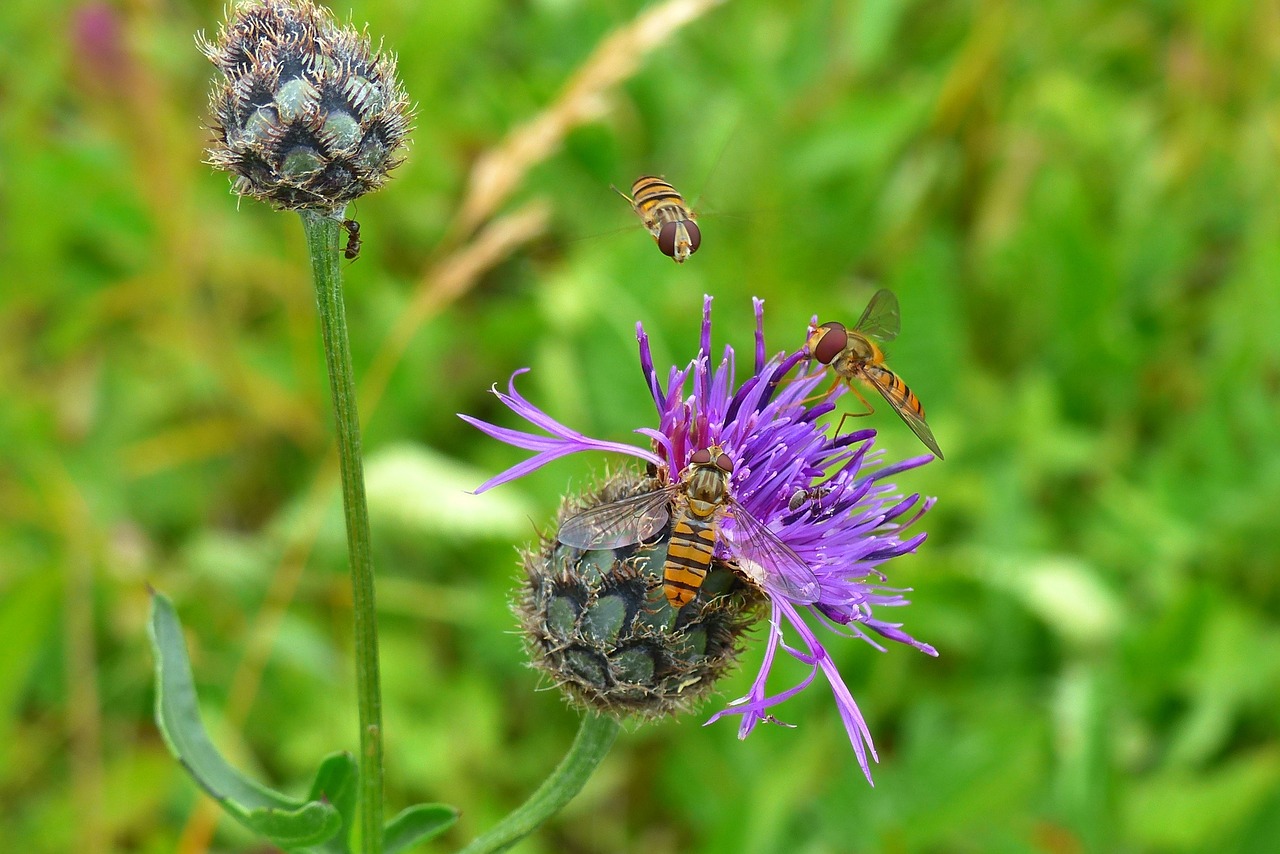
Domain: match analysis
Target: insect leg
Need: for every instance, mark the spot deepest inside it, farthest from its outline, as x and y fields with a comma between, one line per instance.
x=814, y=398
x=870, y=409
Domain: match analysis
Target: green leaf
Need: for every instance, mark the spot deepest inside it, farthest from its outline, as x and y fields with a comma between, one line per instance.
x=336, y=783
x=417, y=824
x=312, y=823
x=288, y=822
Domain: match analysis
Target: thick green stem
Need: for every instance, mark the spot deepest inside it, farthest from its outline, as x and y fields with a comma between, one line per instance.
x=595, y=737
x=322, y=242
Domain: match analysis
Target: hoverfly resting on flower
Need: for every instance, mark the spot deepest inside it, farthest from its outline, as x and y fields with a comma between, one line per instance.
x=664, y=212
x=702, y=498
x=854, y=355
x=642, y=596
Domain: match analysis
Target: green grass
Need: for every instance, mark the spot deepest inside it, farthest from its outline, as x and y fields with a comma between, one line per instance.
x=1076, y=204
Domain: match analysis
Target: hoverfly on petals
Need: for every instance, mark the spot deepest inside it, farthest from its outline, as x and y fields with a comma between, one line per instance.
x=854, y=354
x=696, y=505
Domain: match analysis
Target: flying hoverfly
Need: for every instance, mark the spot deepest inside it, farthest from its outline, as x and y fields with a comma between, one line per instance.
x=352, y=250
x=664, y=212
x=698, y=503
x=854, y=354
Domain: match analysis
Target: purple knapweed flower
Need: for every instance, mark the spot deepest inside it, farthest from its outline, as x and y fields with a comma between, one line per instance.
x=823, y=496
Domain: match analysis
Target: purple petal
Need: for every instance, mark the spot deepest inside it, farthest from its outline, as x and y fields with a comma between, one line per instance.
x=647, y=368
x=757, y=305
x=849, y=521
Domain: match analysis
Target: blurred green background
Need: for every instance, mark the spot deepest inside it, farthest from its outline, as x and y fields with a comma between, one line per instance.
x=1076, y=203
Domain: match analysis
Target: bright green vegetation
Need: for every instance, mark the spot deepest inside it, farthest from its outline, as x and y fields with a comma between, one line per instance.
x=1076, y=204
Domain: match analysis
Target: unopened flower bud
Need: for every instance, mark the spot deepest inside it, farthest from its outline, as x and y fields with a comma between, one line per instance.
x=307, y=114
x=599, y=624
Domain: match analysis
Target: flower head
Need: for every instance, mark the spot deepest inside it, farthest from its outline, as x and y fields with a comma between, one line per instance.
x=820, y=498
x=308, y=116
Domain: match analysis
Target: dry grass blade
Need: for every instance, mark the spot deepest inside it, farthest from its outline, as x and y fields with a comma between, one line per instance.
x=614, y=60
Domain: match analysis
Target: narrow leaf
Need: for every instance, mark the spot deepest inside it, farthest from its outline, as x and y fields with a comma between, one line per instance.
x=312, y=823
x=288, y=822
x=417, y=824
x=336, y=783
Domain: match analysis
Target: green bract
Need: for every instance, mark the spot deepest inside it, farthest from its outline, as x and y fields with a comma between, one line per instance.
x=307, y=115
x=600, y=625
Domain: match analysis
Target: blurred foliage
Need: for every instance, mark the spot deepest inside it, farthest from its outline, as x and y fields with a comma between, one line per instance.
x=1076, y=204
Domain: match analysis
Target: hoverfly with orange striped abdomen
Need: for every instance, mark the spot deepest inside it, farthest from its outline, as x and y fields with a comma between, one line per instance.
x=664, y=212
x=696, y=505
x=854, y=355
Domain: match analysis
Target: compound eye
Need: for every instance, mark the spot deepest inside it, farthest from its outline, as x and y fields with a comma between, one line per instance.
x=667, y=239
x=828, y=341
x=700, y=458
x=695, y=235
x=724, y=463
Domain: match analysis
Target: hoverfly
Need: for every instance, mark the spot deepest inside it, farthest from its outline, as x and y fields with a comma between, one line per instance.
x=664, y=213
x=699, y=502
x=854, y=354
x=352, y=250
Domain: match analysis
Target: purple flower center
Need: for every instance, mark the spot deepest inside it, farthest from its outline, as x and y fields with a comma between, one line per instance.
x=824, y=497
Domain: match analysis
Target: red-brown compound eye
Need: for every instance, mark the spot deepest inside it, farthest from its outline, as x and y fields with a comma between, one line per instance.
x=667, y=239
x=724, y=463
x=828, y=341
x=695, y=235
x=700, y=458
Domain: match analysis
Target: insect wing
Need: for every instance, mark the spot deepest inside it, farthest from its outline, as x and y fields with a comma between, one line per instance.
x=900, y=397
x=768, y=561
x=881, y=319
x=619, y=523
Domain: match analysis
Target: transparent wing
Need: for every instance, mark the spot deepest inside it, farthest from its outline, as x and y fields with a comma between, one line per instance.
x=619, y=523
x=768, y=561
x=881, y=320
x=904, y=403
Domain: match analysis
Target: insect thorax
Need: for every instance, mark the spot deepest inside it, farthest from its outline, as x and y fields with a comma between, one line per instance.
x=863, y=349
x=670, y=213
x=706, y=489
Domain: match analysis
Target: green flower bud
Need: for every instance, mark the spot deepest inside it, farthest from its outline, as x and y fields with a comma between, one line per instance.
x=307, y=115
x=599, y=624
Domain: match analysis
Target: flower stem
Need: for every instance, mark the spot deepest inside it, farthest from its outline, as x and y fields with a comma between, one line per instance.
x=322, y=243
x=595, y=737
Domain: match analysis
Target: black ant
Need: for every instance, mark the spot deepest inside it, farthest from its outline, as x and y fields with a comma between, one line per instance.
x=352, y=250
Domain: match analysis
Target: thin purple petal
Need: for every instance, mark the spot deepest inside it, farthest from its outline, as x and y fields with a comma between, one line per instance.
x=824, y=496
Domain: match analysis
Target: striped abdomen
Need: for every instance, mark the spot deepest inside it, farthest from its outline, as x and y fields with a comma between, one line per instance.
x=693, y=541
x=657, y=202
x=666, y=216
x=894, y=389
